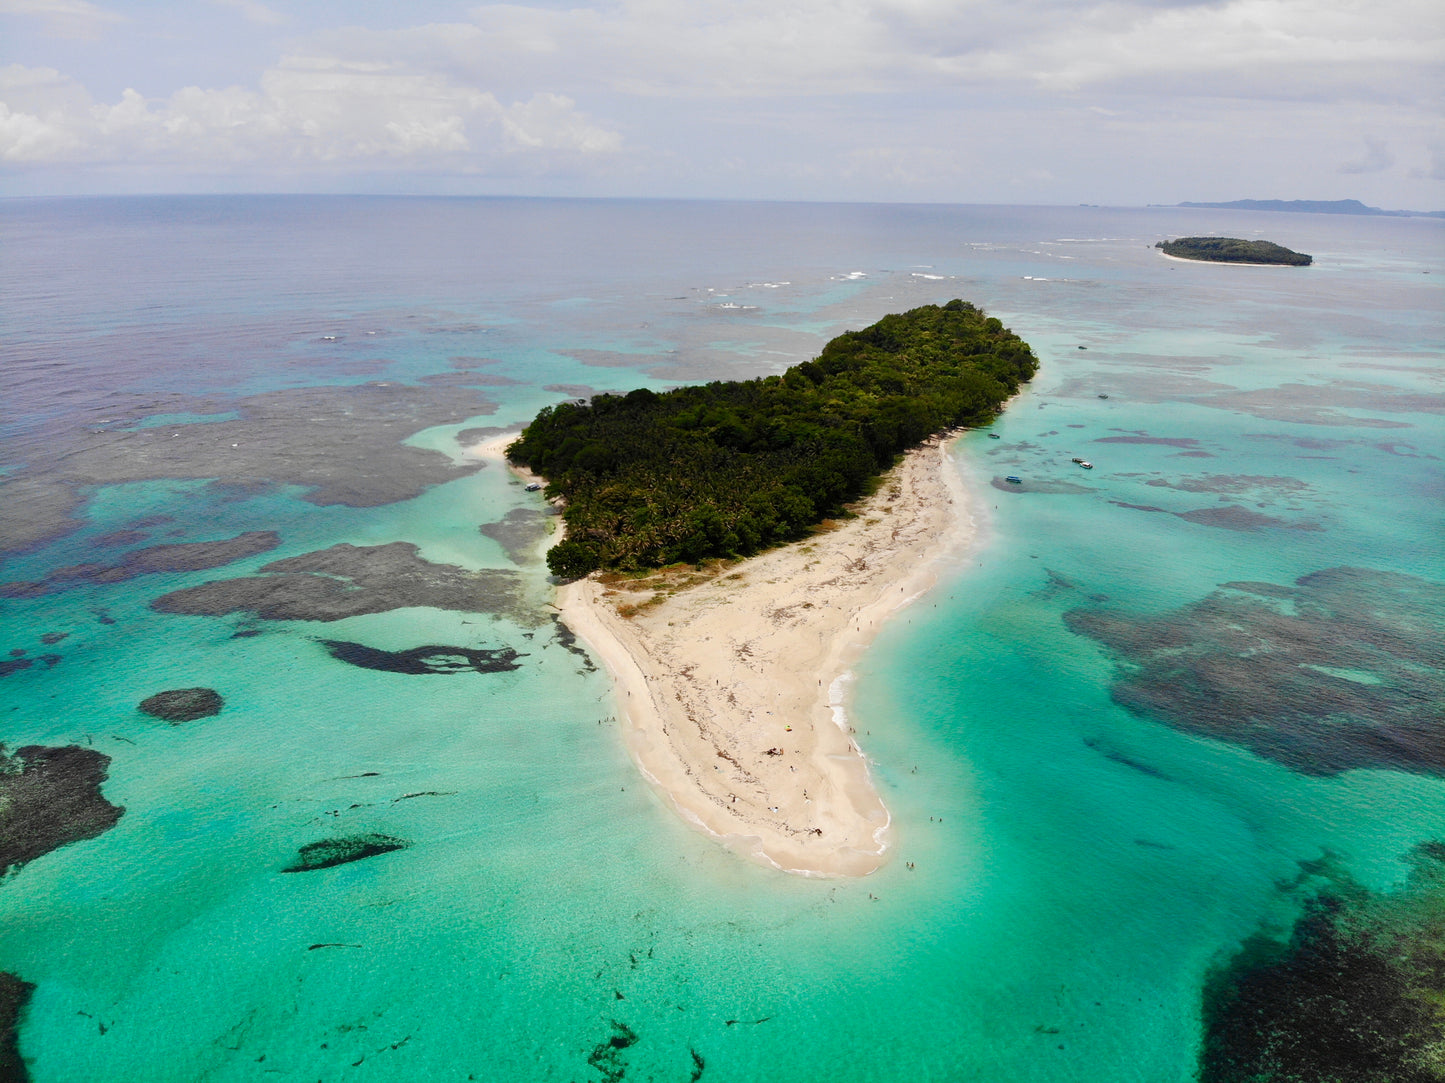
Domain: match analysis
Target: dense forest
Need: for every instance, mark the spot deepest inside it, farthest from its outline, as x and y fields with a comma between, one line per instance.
x=728, y=468
x=1234, y=250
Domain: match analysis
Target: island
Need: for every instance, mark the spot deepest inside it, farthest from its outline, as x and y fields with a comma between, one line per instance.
x=729, y=468
x=730, y=550
x=1234, y=250
x=1311, y=206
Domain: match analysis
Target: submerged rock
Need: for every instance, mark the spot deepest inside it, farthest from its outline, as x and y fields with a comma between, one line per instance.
x=312, y=437
x=14, y=995
x=178, y=557
x=1344, y=669
x=48, y=797
x=1353, y=997
x=607, y=1056
x=329, y=852
x=519, y=533
x=347, y=581
x=1234, y=517
x=183, y=704
x=420, y=660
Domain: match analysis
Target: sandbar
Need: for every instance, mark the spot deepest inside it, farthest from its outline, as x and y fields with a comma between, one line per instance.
x=731, y=682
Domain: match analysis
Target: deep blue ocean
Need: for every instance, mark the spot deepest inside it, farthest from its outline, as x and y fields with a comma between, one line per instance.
x=1151, y=709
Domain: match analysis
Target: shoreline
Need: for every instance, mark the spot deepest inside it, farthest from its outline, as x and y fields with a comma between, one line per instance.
x=731, y=688
x=1220, y=262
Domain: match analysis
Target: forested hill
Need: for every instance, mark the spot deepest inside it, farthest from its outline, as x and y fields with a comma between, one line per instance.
x=728, y=468
x=1234, y=250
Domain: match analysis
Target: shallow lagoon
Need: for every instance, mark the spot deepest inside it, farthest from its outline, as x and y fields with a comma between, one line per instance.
x=1077, y=868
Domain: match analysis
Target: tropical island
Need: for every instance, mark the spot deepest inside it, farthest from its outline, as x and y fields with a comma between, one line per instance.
x=727, y=469
x=1234, y=250
x=730, y=674
x=1311, y=206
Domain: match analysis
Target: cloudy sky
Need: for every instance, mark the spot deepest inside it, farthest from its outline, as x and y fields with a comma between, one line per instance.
x=972, y=101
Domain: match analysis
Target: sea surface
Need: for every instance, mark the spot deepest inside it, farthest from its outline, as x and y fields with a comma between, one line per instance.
x=1107, y=768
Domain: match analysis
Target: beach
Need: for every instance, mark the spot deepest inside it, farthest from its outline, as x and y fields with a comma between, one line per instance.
x=731, y=684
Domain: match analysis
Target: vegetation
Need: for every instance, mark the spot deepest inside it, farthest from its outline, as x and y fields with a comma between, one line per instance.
x=1234, y=250
x=1357, y=995
x=728, y=468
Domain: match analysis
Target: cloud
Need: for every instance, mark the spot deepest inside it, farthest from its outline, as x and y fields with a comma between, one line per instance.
x=977, y=99
x=759, y=48
x=1377, y=157
x=64, y=18
x=308, y=111
x=253, y=11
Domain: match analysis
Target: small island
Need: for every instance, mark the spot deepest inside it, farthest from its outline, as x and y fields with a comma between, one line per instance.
x=730, y=468
x=834, y=481
x=1234, y=250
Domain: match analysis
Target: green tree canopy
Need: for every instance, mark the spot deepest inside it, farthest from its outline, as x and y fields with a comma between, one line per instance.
x=731, y=467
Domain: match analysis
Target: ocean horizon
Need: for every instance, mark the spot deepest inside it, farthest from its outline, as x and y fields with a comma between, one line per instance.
x=1156, y=713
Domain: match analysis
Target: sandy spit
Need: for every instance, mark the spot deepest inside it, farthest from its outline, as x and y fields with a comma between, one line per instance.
x=728, y=688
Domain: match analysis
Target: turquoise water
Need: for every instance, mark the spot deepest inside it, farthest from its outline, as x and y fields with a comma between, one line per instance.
x=1076, y=867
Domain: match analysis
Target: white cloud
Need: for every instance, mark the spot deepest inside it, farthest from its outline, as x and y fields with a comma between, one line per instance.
x=253, y=11
x=799, y=98
x=65, y=18
x=1377, y=157
x=757, y=48
x=1240, y=47
x=307, y=110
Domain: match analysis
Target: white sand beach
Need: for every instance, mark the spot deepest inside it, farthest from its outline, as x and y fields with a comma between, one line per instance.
x=728, y=683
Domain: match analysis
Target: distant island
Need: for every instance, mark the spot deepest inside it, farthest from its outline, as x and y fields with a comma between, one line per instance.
x=1234, y=250
x=727, y=469
x=1312, y=206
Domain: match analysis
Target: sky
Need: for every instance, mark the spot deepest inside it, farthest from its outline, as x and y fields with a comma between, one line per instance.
x=1115, y=102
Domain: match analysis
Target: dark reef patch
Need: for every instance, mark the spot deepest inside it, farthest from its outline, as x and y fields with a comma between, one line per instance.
x=518, y=533
x=1137, y=507
x=1345, y=669
x=1320, y=404
x=465, y=378
x=572, y=391
x=607, y=1056
x=14, y=995
x=183, y=704
x=431, y=659
x=119, y=539
x=1113, y=755
x=343, y=444
x=347, y=581
x=13, y=665
x=1234, y=517
x=468, y=437
x=330, y=852
x=567, y=640
x=48, y=797
x=1165, y=441
x=1034, y=485
x=182, y=557
x=1233, y=483
x=1353, y=997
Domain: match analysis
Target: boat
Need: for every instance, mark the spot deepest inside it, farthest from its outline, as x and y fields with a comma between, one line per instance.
x=534, y=486
x=1086, y=464
x=1014, y=480
x=993, y=436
